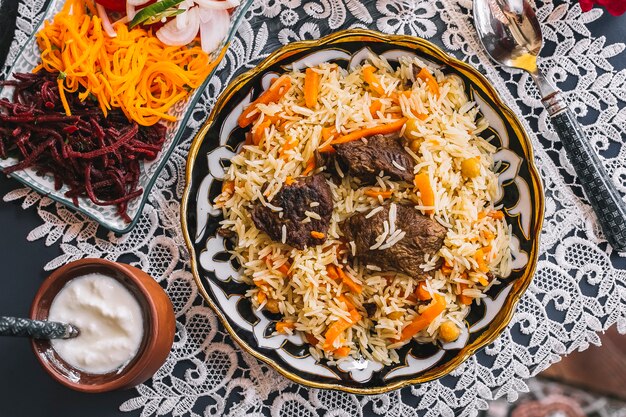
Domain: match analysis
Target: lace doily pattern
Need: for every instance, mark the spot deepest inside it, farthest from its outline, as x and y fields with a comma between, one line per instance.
x=578, y=289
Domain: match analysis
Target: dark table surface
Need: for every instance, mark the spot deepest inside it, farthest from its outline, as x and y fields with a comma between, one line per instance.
x=25, y=390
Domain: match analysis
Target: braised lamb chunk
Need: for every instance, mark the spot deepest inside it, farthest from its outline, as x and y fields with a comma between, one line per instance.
x=370, y=309
x=423, y=237
x=310, y=194
x=365, y=159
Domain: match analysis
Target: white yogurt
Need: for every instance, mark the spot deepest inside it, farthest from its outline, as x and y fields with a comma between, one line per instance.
x=109, y=319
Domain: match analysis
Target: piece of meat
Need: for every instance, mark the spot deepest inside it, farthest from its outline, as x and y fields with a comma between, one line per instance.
x=227, y=233
x=423, y=236
x=415, y=69
x=370, y=309
x=295, y=199
x=365, y=159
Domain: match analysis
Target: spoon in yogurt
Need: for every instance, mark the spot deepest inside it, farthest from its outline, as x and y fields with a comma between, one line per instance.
x=36, y=329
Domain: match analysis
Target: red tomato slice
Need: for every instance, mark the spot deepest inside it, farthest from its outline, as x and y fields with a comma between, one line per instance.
x=117, y=5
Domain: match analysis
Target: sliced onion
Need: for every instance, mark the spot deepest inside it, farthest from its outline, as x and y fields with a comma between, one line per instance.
x=205, y=14
x=130, y=11
x=136, y=2
x=106, y=23
x=218, y=4
x=213, y=32
x=181, y=20
x=170, y=34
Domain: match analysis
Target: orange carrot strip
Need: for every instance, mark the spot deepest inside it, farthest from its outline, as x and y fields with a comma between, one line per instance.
x=273, y=94
x=349, y=282
x=283, y=269
x=496, y=214
x=291, y=144
x=479, y=256
x=66, y=106
x=338, y=327
x=422, y=321
x=372, y=80
x=331, y=270
x=446, y=268
x=487, y=234
x=483, y=281
x=282, y=326
x=289, y=180
x=311, y=87
x=311, y=339
x=421, y=292
x=317, y=235
x=371, y=131
x=375, y=107
x=310, y=166
x=259, y=132
x=376, y=193
x=341, y=352
x=348, y=303
x=430, y=80
x=228, y=186
x=427, y=194
x=464, y=299
x=261, y=297
x=328, y=132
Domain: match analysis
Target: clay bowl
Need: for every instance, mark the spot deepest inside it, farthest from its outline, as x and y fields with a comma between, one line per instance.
x=159, y=325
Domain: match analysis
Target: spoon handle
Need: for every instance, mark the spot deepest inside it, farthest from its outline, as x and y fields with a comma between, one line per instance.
x=36, y=329
x=599, y=189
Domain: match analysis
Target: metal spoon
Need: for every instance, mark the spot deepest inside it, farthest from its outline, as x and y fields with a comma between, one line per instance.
x=510, y=32
x=36, y=329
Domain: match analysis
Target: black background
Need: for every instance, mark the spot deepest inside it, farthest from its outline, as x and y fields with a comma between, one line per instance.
x=25, y=389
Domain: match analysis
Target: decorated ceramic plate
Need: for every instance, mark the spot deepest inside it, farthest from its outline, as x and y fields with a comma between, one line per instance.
x=518, y=192
x=107, y=215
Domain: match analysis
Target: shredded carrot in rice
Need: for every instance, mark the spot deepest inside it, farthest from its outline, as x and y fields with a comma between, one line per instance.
x=311, y=87
x=338, y=327
x=372, y=80
x=317, y=235
x=310, y=166
x=341, y=352
x=282, y=326
x=349, y=282
x=464, y=299
x=133, y=71
x=421, y=292
x=427, y=194
x=377, y=193
x=423, y=320
x=383, y=129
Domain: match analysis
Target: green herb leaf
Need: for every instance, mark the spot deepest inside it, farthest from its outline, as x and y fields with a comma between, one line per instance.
x=61, y=75
x=148, y=13
x=168, y=13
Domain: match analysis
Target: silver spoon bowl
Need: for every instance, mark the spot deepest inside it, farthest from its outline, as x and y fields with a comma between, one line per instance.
x=511, y=35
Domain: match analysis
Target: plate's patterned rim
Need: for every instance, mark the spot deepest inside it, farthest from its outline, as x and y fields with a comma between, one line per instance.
x=377, y=380
x=107, y=216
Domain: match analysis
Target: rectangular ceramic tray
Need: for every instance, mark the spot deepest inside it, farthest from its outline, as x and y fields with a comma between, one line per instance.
x=107, y=216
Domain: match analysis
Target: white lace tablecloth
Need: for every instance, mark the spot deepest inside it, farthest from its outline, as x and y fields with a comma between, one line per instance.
x=578, y=289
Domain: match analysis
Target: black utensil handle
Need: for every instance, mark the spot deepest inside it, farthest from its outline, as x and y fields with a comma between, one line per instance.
x=599, y=189
x=15, y=326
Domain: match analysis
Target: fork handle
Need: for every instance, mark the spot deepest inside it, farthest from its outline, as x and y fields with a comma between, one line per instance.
x=599, y=189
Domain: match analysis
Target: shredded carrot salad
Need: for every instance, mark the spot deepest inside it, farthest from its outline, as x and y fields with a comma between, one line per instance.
x=133, y=71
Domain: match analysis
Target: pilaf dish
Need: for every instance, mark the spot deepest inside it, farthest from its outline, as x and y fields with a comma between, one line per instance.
x=362, y=207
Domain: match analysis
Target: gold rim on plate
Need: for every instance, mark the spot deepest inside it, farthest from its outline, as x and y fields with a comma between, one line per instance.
x=520, y=285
